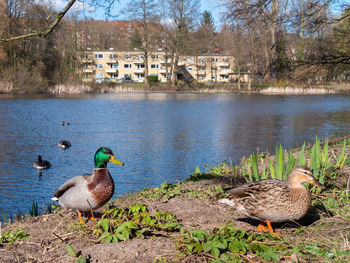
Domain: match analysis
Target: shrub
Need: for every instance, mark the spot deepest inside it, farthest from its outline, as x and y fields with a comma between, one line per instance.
x=152, y=78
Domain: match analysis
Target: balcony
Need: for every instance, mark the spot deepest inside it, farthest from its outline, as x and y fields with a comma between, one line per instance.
x=86, y=60
x=88, y=70
x=138, y=61
x=224, y=72
x=201, y=72
x=200, y=64
x=163, y=61
x=224, y=64
x=111, y=61
x=139, y=70
x=111, y=70
x=163, y=71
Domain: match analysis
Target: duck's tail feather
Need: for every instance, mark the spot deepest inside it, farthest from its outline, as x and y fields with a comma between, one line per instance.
x=227, y=202
x=54, y=199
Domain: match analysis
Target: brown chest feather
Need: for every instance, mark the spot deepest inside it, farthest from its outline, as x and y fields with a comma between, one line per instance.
x=101, y=186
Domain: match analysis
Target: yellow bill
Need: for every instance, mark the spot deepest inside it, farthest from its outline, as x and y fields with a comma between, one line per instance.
x=115, y=160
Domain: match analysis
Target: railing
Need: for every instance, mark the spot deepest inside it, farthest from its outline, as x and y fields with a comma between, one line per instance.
x=111, y=70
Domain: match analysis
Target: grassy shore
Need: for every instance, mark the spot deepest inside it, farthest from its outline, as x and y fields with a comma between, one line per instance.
x=276, y=87
x=183, y=222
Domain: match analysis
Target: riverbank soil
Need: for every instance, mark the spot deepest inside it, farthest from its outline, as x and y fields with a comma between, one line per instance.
x=321, y=236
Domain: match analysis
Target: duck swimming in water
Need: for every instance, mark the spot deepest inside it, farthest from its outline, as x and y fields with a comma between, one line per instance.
x=63, y=123
x=89, y=192
x=274, y=200
x=41, y=164
x=64, y=144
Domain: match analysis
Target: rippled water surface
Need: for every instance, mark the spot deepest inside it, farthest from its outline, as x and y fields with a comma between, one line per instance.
x=159, y=136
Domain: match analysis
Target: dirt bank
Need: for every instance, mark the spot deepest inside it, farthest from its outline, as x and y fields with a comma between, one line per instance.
x=321, y=236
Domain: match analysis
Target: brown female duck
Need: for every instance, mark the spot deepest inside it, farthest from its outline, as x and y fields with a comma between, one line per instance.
x=274, y=200
x=91, y=191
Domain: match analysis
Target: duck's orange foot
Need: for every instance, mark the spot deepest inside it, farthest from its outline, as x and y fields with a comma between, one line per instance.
x=91, y=217
x=80, y=219
x=262, y=228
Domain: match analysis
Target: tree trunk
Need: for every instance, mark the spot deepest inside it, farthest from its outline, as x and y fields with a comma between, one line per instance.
x=239, y=80
x=173, y=73
x=249, y=80
x=146, y=82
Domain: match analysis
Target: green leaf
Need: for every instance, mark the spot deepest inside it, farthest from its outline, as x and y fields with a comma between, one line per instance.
x=225, y=256
x=104, y=223
x=215, y=252
x=103, y=236
x=190, y=247
x=71, y=251
x=207, y=246
x=81, y=260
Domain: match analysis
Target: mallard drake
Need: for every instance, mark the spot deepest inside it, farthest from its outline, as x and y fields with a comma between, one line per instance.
x=63, y=123
x=274, y=200
x=64, y=144
x=41, y=164
x=89, y=192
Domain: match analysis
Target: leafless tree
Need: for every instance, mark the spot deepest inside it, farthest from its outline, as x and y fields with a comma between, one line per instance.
x=180, y=19
x=146, y=13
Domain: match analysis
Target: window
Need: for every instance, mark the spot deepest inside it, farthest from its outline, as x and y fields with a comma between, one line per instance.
x=99, y=76
x=154, y=56
x=127, y=56
x=127, y=76
x=213, y=68
x=214, y=59
x=154, y=66
x=114, y=75
x=114, y=65
x=226, y=60
x=99, y=65
x=85, y=56
x=113, y=56
x=98, y=56
x=140, y=66
x=140, y=76
x=203, y=60
x=190, y=59
x=127, y=65
x=139, y=57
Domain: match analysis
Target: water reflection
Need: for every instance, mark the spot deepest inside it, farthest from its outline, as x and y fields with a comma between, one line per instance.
x=159, y=136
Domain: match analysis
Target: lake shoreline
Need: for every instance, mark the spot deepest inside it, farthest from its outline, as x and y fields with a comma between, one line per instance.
x=183, y=88
x=195, y=209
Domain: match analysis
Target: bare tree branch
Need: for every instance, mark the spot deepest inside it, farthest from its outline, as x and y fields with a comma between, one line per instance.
x=51, y=27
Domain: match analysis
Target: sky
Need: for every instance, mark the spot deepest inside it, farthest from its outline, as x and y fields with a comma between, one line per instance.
x=210, y=5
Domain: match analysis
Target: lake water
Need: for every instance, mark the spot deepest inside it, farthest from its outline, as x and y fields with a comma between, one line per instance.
x=158, y=136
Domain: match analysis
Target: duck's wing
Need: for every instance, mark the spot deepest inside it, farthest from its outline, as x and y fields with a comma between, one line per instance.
x=71, y=183
x=256, y=189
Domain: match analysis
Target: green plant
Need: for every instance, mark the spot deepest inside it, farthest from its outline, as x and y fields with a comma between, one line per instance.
x=342, y=157
x=8, y=237
x=164, y=192
x=123, y=224
x=73, y=253
x=34, y=210
x=152, y=78
x=301, y=159
x=229, y=244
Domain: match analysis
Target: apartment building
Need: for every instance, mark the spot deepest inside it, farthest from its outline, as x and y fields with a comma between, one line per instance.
x=110, y=65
